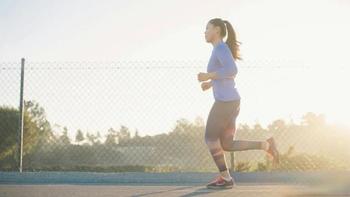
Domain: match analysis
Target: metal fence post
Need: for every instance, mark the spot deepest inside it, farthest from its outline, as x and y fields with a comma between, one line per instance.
x=232, y=155
x=21, y=119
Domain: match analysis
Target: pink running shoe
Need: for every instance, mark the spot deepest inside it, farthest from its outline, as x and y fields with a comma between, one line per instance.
x=220, y=183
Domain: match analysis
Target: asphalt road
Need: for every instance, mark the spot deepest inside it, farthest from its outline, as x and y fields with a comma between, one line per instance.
x=61, y=190
x=88, y=184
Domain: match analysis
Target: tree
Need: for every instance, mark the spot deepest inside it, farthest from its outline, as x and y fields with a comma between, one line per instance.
x=36, y=130
x=277, y=125
x=91, y=137
x=123, y=134
x=258, y=127
x=98, y=137
x=110, y=137
x=38, y=116
x=8, y=135
x=137, y=134
x=312, y=119
x=79, y=136
x=64, y=139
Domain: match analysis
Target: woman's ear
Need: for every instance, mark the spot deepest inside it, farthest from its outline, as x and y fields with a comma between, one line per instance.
x=217, y=30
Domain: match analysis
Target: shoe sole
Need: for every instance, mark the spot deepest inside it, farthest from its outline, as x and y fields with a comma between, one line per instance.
x=225, y=187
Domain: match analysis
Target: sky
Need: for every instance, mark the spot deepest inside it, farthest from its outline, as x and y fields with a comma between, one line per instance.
x=307, y=40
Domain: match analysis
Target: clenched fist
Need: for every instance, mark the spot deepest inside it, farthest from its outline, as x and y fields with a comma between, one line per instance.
x=206, y=85
x=203, y=76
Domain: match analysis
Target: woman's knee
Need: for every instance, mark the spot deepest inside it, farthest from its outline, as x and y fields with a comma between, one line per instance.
x=226, y=144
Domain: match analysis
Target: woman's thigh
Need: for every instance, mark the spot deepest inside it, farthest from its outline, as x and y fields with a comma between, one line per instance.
x=230, y=127
x=219, y=119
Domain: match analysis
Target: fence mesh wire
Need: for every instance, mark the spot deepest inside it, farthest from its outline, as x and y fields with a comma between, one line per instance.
x=150, y=116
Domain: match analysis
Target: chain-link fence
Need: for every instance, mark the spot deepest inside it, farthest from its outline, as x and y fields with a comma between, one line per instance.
x=150, y=116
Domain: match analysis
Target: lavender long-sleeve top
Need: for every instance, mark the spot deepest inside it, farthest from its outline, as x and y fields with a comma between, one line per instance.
x=222, y=62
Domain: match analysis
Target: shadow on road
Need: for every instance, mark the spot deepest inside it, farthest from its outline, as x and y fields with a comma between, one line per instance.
x=197, y=192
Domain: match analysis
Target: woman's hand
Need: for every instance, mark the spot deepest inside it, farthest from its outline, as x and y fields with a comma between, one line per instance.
x=206, y=85
x=203, y=76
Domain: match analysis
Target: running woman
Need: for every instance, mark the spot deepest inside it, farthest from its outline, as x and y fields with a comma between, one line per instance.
x=221, y=123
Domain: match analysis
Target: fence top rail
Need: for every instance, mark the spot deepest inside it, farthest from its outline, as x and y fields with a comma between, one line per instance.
x=157, y=64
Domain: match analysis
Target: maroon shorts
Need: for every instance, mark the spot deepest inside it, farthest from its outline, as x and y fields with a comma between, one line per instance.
x=221, y=122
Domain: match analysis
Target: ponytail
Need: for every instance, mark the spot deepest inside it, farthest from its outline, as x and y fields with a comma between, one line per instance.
x=231, y=40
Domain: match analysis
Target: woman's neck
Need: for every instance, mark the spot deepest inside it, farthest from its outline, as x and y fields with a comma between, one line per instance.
x=216, y=42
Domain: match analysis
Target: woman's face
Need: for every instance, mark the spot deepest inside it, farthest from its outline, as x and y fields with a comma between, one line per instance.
x=211, y=32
